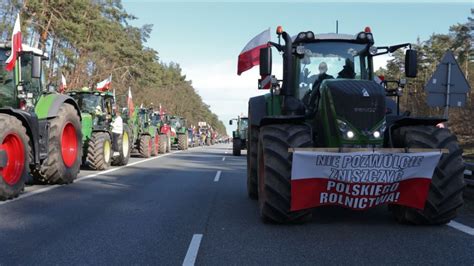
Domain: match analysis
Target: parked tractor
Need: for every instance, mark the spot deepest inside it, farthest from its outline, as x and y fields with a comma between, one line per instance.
x=101, y=147
x=341, y=107
x=239, y=135
x=161, y=122
x=146, y=139
x=40, y=131
x=179, y=132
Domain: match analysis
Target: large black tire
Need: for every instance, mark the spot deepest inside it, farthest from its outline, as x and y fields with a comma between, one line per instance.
x=99, y=151
x=182, y=142
x=124, y=143
x=447, y=184
x=252, y=179
x=155, y=145
x=145, y=146
x=53, y=168
x=163, y=142
x=168, y=144
x=236, y=145
x=11, y=126
x=274, y=171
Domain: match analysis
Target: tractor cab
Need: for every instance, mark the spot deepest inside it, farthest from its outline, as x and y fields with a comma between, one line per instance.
x=97, y=105
x=22, y=87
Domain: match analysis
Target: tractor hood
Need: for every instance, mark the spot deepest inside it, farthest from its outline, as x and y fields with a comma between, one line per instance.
x=358, y=102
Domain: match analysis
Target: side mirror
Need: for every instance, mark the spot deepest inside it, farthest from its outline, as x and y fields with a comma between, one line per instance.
x=265, y=61
x=230, y=122
x=36, y=67
x=410, y=63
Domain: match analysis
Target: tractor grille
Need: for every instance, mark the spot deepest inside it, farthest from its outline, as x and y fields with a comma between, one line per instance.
x=360, y=102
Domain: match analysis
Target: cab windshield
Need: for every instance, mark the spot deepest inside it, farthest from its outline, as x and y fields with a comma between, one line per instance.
x=7, y=88
x=244, y=123
x=331, y=60
x=89, y=103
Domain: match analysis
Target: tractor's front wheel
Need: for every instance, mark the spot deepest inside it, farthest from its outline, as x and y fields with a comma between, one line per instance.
x=14, y=157
x=236, y=144
x=182, y=142
x=64, y=147
x=252, y=180
x=155, y=145
x=163, y=142
x=447, y=183
x=168, y=144
x=125, y=146
x=99, y=151
x=274, y=171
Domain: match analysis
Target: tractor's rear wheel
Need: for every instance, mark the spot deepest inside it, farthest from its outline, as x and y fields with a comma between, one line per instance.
x=447, y=184
x=125, y=146
x=15, y=149
x=236, y=144
x=64, y=147
x=99, y=151
x=274, y=171
x=182, y=142
x=163, y=143
x=145, y=146
x=252, y=180
x=168, y=144
x=155, y=145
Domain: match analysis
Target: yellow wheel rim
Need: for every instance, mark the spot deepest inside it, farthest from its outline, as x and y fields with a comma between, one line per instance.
x=107, y=151
x=125, y=144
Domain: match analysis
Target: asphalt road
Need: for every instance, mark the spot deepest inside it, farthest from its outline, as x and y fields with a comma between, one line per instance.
x=179, y=208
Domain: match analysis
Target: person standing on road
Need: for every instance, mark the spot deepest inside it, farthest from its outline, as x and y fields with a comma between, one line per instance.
x=117, y=130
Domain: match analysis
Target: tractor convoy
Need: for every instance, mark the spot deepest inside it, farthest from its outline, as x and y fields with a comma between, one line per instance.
x=46, y=136
x=328, y=102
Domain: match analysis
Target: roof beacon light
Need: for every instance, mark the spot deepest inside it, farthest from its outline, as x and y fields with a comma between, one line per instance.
x=367, y=30
x=279, y=30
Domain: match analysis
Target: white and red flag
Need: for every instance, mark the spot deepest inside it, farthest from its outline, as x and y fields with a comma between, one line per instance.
x=104, y=84
x=16, y=45
x=130, y=106
x=361, y=180
x=250, y=55
x=63, y=85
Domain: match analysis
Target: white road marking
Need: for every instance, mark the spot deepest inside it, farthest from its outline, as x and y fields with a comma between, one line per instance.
x=223, y=158
x=193, y=249
x=218, y=175
x=48, y=188
x=461, y=227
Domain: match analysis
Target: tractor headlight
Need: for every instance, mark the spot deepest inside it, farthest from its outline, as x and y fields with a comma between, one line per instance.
x=350, y=134
x=373, y=50
x=362, y=35
x=376, y=134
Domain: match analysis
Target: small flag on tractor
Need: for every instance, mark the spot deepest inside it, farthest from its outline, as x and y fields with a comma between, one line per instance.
x=63, y=85
x=131, y=108
x=105, y=84
x=250, y=55
x=16, y=45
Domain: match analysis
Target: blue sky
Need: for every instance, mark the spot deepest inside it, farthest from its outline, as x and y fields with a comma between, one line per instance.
x=205, y=38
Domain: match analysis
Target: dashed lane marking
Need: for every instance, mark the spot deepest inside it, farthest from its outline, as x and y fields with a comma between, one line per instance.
x=218, y=176
x=461, y=227
x=193, y=249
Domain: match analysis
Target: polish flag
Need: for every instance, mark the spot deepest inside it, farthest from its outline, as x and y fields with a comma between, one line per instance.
x=131, y=108
x=105, y=84
x=63, y=85
x=250, y=55
x=16, y=45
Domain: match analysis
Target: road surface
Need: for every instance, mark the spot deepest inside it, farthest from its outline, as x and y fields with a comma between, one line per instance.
x=191, y=207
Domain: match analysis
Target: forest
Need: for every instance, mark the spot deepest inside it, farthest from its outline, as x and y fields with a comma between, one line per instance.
x=89, y=40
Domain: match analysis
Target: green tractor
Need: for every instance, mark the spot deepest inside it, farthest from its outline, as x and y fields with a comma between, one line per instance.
x=146, y=139
x=102, y=147
x=239, y=136
x=40, y=131
x=341, y=107
x=179, y=132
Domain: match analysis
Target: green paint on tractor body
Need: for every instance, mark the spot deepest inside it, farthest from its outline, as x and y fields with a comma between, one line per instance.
x=44, y=104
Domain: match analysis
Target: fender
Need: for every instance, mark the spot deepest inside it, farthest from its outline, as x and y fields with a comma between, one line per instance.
x=257, y=110
x=394, y=122
x=31, y=123
x=48, y=105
